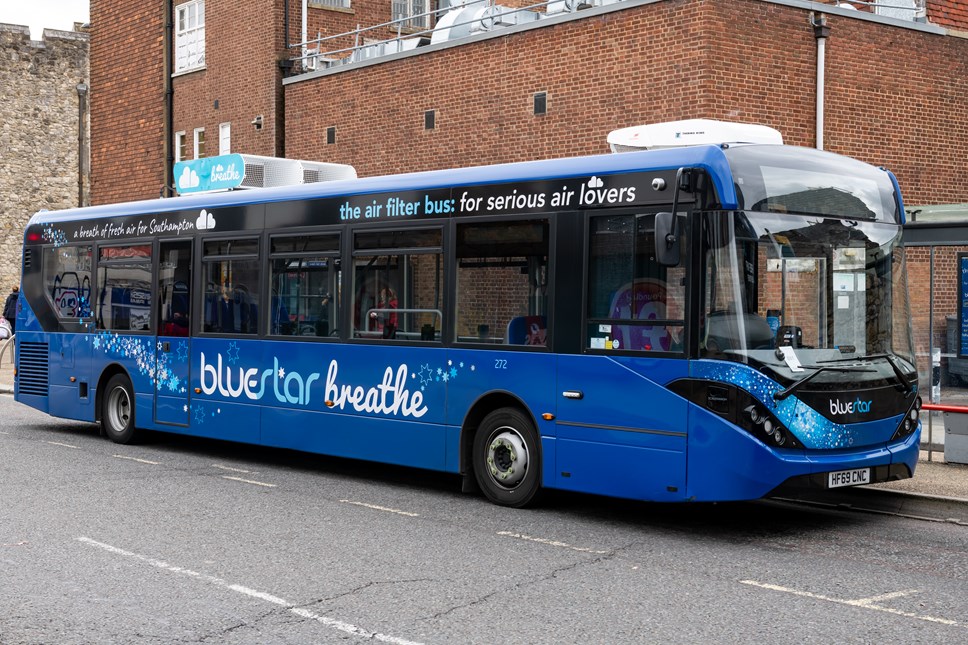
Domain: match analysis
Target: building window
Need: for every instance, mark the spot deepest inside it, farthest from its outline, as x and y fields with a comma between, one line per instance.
x=181, y=147
x=409, y=11
x=224, y=138
x=340, y=4
x=190, y=36
x=199, y=143
x=540, y=103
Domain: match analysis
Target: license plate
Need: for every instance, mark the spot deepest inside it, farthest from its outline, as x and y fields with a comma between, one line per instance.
x=853, y=477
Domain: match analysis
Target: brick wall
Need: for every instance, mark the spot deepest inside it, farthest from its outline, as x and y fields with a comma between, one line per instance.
x=38, y=132
x=888, y=101
x=127, y=100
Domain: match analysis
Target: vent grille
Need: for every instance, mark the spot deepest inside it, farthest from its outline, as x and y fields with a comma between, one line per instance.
x=32, y=368
x=28, y=257
x=255, y=175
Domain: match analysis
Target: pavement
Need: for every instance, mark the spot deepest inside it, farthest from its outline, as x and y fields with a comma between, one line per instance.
x=938, y=491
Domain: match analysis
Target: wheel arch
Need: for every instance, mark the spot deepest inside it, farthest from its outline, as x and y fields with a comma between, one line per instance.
x=483, y=406
x=110, y=371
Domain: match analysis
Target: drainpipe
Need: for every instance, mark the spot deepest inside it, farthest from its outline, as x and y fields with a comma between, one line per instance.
x=304, y=35
x=81, y=142
x=820, y=31
x=169, y=66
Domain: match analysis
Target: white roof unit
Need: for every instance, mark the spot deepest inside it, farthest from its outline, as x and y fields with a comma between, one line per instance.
x=263, y=172
x=690, y=132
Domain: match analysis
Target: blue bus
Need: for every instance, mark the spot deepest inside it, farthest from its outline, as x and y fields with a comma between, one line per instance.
x=704, y=323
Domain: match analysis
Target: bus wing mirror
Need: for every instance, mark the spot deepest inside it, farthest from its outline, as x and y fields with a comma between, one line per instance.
x=667, y=239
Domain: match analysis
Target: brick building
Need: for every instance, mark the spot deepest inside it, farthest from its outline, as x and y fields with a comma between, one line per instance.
x=174, y=80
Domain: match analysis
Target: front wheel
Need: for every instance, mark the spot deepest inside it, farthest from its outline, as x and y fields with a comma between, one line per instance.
x=507, y=458
x=117, y=411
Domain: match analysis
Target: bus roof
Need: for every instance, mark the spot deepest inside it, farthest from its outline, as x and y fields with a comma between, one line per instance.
x=710, y=158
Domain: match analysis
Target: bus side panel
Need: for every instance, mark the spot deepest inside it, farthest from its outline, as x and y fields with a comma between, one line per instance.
x=623, y=434
x=726, y=463
x=390, y=441
x=473, y=374
x=70, y=358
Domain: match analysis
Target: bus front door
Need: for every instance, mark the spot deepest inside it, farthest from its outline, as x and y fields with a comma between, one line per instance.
x=173, y=349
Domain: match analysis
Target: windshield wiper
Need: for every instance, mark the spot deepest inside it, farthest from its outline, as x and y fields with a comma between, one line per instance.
x=890, y=361
x=782, y=394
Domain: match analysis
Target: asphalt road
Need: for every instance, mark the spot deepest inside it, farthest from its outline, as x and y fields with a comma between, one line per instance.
x=190, y=541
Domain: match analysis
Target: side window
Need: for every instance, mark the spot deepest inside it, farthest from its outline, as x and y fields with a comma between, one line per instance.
x=634, y=303
x=124, y=288
x=397, y=278
x=304, y=278
x=230, y=275
x=67, y=280
x=502, y=281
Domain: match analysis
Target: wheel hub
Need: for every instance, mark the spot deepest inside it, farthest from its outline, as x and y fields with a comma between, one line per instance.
x=507, y=458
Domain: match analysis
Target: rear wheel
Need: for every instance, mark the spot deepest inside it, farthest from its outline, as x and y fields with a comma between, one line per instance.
x=507, y=458
x=117, y=411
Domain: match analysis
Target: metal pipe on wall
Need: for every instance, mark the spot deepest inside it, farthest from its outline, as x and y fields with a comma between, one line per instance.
x=820, y=31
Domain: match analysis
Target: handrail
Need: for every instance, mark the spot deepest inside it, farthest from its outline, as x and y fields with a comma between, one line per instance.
x=3, y=349
x=941, y=407
x=393, y=310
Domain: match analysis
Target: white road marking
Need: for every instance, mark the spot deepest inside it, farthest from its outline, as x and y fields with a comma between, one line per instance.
x=248, y=481
x=864, y=603
x=142, y=461
x=339, y=625
x=66, y=445
x=380, y=508
x=234, y=470
x=562, y=545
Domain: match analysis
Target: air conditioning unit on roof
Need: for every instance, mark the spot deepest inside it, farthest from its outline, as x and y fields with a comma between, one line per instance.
x=264, y=172
x=689, y=132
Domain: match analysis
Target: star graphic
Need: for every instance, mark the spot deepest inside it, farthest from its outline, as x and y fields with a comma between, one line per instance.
x=199, y=414
x=426, y=374
x=233, y=353
x=182, y=351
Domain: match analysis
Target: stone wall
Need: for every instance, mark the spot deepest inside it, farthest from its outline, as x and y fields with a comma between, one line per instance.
x=38, y=132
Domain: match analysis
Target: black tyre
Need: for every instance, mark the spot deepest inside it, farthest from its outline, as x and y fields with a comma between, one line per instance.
x=507, y=458
x=117, y=411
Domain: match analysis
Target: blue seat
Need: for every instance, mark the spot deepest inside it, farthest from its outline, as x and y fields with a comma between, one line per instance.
x=526, y=330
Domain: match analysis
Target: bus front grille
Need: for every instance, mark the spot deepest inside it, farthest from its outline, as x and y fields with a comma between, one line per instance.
x=32, y=369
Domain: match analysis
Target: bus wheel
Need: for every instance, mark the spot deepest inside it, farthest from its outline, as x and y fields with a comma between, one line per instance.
x=117, y=411
x=507, y=463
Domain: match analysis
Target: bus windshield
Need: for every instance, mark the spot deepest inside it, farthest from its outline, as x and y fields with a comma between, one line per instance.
x=786, y=179
x=827, y=289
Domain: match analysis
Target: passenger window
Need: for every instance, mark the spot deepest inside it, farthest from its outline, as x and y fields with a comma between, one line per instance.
x=124, y=288
x=230, y=273
x=397, y=285
x=304, y=274
x=502, y=282
x=67, y=279
x=634, y=303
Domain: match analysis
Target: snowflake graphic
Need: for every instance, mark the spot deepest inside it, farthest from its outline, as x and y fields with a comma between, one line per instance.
x=426, y=374
x=232, y=355
x=453, y=372
x=198, y=412
x=182, y=351
x=282, y=372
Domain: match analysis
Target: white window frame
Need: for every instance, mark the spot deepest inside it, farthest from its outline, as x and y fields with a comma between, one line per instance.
x=404, y=9
x=224, y=138
x=190, y=36
x=179, y=144
x=198, y=137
